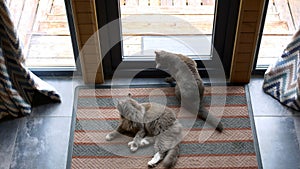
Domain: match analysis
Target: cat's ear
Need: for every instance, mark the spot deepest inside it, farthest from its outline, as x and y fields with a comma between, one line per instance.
x=157, y=52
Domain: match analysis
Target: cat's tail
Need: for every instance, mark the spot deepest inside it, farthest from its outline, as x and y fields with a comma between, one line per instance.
x=171, y=157
x=212, y=120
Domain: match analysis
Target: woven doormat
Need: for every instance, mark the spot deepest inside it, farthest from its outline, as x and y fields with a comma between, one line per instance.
x=95, y=116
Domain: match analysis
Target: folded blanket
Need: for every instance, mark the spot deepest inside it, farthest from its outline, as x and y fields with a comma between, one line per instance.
x=18, y=85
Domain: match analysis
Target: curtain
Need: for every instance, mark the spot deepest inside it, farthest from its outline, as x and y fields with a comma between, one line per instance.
x=17, y=84
x=282, y=80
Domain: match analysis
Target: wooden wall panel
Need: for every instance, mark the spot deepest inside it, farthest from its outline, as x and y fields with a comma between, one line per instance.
x=84, y=13
x=251, y=5
x=247, y=37
x=251, y=16
x=247, y=33
x=244, y=58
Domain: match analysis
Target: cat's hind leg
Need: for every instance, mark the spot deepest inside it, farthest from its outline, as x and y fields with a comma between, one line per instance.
x=155, y=160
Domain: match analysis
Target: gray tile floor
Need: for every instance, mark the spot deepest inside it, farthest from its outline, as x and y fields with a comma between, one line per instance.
x=277, y=130
x=40, y=141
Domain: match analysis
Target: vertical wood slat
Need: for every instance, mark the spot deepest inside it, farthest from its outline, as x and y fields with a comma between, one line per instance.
x=166, y=2
x=26, y=21
x=43, y=8
x=194, y=2
x=16, y=9
x=208, y=2
x=295, y=10
x=286, y=13
x=132, y=2
x=154, y=2
x=179, y=2
x=143, y=2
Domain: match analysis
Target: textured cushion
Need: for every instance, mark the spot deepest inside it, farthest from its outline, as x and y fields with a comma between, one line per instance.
x=282, y=79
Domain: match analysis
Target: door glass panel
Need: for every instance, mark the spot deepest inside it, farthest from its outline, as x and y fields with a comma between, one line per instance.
x=180, y=26
x=44, y=32
x=281, y=22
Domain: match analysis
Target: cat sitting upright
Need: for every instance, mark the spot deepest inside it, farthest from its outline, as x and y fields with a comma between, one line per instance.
x=184, y=71
x=156, y=124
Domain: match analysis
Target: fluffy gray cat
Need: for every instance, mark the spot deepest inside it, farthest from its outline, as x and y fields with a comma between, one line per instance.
x=184, y=71
x=157, y=124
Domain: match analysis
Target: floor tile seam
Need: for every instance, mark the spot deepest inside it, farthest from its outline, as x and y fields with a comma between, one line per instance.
x=278, y=116
x=14, y=144
x=52, y=116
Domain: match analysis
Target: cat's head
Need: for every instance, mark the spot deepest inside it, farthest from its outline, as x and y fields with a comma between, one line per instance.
x=129, y=108
x=166, y=59
x=160, y=59
x=122, y=104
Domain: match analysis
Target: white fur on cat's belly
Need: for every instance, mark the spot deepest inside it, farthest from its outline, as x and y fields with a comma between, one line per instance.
x=154, y=160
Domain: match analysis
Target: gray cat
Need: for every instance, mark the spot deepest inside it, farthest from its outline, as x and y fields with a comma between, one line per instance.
x=157, y=124
x=184, y=70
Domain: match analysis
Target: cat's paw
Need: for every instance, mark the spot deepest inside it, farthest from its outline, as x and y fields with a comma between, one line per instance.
x=133, y=146
x=144, y=142
x=154, y=161
x=151, y=164
x=130, y=143
x=169, y=79
x=109, y=137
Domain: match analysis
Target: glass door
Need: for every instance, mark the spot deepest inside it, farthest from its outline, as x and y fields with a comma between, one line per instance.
x=46, y=31
x=179, y=26
x=281, y=21
x=196, y=28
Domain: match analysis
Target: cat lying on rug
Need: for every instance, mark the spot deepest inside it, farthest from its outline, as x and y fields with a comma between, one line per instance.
x=180, y=67
x=155, y=124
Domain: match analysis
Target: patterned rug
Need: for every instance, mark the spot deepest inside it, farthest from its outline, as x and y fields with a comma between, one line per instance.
x=202, y=147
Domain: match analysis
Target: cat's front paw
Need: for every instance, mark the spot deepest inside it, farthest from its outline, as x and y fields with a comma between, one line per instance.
x=169, y=79
x=133, y=146
x=144, y=142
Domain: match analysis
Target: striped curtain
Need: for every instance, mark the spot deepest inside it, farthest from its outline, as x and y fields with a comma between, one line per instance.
x=282, y=80
x=17, y=84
